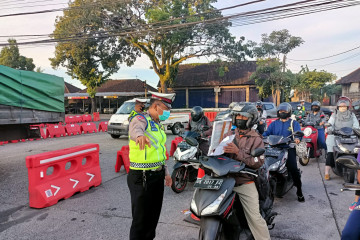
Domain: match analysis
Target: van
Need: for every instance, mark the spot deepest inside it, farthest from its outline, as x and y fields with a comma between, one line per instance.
x=118, y=124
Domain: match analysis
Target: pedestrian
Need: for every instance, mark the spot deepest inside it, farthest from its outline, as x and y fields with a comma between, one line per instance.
x=147, y=166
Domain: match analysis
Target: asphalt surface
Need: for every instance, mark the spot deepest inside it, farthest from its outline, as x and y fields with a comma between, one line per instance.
x=104, y=212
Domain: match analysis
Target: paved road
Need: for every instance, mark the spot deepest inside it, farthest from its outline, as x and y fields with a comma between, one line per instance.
x=104, y=212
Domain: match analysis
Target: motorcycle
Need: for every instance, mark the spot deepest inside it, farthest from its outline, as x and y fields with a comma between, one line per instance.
x=186, y=162
x=311, y=139
x=346, y=150
x=218, y=206
x=355, y=214
x=276, y=155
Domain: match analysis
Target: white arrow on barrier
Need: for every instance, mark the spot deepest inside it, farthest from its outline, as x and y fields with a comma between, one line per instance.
x=57, y=189
x=91, y=176
x=76, y=182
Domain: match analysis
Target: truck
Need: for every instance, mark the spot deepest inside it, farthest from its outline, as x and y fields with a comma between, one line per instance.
x=118, y=124
x=26, y=99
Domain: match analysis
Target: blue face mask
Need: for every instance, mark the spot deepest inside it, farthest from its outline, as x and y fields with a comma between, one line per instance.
x=165, y=115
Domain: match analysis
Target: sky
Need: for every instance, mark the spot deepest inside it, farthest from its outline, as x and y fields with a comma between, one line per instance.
x=325, y=34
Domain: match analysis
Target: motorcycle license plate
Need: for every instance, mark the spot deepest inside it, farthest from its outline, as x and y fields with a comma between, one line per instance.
x=272, y=152
x=214, y=184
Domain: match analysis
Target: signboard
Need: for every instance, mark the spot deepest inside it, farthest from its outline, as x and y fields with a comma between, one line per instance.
x=78, y=97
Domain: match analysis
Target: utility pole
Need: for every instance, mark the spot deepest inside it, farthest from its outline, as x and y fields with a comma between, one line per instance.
x=145, y=89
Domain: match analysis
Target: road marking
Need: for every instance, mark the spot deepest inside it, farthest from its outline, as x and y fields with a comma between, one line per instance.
x=76, y=182
x=91, y=176
x=57, y=189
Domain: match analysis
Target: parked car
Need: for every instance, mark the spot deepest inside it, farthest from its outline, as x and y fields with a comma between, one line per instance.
x=270, y=109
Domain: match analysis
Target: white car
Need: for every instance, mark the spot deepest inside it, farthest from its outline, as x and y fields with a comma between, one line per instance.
x=119, y=124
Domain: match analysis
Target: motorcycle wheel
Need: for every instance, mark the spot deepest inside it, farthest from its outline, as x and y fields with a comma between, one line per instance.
x=349, y=175
x=210, y=229
x=179, y=179
x=338, y=170
x=304, y=161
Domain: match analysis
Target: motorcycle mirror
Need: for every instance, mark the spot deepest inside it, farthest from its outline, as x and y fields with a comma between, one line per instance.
x=257, y=152
x=191, y=141
x=322, y=116
x=298, y=134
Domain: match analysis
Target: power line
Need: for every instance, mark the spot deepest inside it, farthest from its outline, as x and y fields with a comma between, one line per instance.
x=334, y=55
x=32, y=6
x=217, y=20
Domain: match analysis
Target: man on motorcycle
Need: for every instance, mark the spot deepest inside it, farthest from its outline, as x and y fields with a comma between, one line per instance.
x=247, y=139
x=285, y=126
x=197, y=123
x=262, y=117
x=318, y=119
x=299, y=112
x=342, y=117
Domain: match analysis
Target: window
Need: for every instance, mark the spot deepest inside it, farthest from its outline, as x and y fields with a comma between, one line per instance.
x=268, y=106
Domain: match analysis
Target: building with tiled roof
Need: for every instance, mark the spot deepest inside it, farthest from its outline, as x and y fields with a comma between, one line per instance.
x=350, y=85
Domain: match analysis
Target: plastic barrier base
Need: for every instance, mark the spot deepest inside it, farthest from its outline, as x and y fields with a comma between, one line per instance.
x=122, y=159
x=174, y=144
x=60, y=174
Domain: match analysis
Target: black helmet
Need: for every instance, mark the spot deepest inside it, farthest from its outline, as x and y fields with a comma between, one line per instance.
x=196, y=113
x=284, y=107
x=259, y=103
x=316, y=104
x=248, y=111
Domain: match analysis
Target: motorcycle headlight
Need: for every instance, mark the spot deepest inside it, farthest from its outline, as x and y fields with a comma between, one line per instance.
x=307, y=132
x=274, y=166
x=214, y=205
x=356, y=150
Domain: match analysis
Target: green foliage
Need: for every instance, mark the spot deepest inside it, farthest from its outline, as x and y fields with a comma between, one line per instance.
x=90, y=60
x=166, y=48
x=10, y=56
x=332, y=89
x=278, y=42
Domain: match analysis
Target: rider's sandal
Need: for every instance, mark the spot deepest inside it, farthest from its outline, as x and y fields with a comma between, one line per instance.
x=327, y=177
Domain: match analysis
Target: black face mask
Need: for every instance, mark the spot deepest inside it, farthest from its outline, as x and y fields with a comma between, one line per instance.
x=316, y=109
x=241, y=124
x=259, y=109
x=283, y=115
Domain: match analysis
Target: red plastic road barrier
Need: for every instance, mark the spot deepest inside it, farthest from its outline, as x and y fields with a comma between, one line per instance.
x=4, y=142
x=96, y=116
x=122, y=159
x=103, y=127
x=174, y=144
x=55, y=131
x=70, y=120
x=86, y=118
x=47, y=187
x=211, y=115
x=72, y=129
x=270, y=120
x=78, y=119
x=89, y=127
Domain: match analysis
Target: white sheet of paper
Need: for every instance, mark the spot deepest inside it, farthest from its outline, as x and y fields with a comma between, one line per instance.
x=216, y=137
x=220, y=149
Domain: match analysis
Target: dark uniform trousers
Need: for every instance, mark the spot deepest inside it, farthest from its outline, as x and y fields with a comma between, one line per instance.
x=146, y=202
x=291, y=165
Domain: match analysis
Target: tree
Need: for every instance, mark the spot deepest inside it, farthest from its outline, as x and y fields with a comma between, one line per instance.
x=273, y=46
x=10, y=56
x=167, y=46
x=92, y=59
x=309, y=83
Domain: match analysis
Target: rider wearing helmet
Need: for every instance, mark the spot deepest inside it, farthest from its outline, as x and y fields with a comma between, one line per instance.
x=318, y=119
x=247, y=139
x=262, y=117
x=342, y=117
x=197, y=123
x=298, y=112
x=285, y=126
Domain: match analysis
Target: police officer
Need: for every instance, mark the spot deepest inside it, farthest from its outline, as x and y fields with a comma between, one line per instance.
x=139, y=108
x=147, y=166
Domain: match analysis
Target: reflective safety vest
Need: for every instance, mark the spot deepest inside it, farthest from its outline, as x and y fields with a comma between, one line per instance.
x=151, y=157
x=132, y=114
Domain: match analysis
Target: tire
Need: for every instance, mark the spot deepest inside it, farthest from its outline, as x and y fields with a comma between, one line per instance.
x=180, y=178
x=114, y=136
x=176, y=128
x=210, y=229
x=304, y=160
x=338, y=169
x=349, y=175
